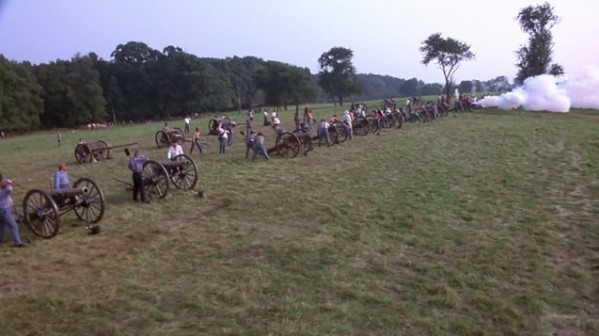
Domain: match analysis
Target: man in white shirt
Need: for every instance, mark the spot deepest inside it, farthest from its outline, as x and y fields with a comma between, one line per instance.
x=347, y=120
x=187, y=120
x=174, y=150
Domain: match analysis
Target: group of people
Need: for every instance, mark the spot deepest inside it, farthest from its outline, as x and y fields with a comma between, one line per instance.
x=61, y=181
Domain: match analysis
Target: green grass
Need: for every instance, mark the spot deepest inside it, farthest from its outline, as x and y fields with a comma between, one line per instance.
x=477, y=224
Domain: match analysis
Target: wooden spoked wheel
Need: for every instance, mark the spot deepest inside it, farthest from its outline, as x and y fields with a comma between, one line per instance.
x=360, y=126
x=288, y=145
x=40, y=214
x=162, y=139
x=184, y=176
x=102, y=152
x=305, y=140
x=155, y=179
x=341, y=131
x=83, y=154
x=90, y=204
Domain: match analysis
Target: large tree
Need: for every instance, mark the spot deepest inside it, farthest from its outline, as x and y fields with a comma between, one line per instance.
x=21, y=104
x=72, y=93
x=448, y=53
x=535, y=58
x=337, y=75
x=285, y=84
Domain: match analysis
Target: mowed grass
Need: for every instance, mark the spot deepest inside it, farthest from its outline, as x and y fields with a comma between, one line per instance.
x=483, y=223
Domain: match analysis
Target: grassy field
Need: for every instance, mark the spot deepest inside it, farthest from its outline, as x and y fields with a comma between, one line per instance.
x=483, y=223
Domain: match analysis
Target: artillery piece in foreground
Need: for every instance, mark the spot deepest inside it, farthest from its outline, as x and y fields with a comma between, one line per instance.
x=182, y=172
x=42, y=209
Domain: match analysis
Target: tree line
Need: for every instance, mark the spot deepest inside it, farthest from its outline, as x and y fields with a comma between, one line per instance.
x=141, y=83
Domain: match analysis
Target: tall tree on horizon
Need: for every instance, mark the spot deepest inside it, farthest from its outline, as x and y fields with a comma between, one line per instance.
x=337, y=75
x=535, y=58
x=448, y=53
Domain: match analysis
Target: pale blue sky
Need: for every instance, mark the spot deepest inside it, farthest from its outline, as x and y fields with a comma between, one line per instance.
x=385, y=35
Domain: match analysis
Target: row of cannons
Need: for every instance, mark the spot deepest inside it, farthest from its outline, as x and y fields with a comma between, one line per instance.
x=43, y=209
x=288, y=144
x=291, y=144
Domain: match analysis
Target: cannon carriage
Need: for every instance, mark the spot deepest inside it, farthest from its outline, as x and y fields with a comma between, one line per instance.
x=157, y=176
x=288, y=145
x=361, y=126
x=338, y=132
x=164, y=138
x=43, y=209
x=93, y=151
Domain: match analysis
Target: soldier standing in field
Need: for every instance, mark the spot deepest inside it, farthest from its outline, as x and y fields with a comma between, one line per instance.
x=136, y=163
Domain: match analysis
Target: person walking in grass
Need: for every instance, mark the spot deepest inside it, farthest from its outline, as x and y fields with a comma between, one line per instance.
x=223, y=139
x=197, y=139
x=6, y=216
x=265, y=117
x=187, y=121
x=249, y=126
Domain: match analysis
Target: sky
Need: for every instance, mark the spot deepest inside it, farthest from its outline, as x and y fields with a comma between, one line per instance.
x=385, y=35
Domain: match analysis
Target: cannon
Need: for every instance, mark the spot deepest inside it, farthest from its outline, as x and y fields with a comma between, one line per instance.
x=288, y=145
x=338, y=132
x=165, y=137
x=42, y=209
x=182, y=172
x=88, y=152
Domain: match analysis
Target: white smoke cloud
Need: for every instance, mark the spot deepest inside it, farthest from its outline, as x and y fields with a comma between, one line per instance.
x=544, y=93
x=583, y=90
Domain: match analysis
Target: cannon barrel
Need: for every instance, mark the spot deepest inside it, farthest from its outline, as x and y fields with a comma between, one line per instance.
x=69, y=192
x=177, y=163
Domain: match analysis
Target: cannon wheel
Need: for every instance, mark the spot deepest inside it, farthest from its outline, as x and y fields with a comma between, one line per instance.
x=371, y=122
x=103, y=152
x=185, y=176
x=155, y=179
x=288, y=145
x=341, y=130
x=360, y=126
x=40, y=214
x=306, y=141
x=161, y=139
x=83, y=154
x=91, y=205
x=398, y=119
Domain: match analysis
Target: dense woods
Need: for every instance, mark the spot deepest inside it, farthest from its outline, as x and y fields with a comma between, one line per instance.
x=141, y=83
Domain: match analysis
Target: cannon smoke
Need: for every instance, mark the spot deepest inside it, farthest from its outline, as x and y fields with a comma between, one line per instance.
x=545, y=93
